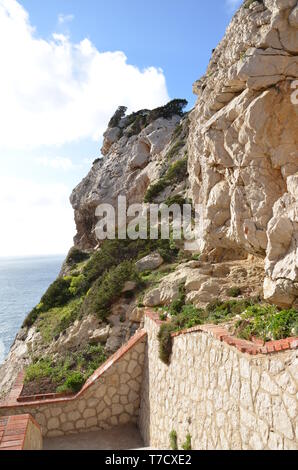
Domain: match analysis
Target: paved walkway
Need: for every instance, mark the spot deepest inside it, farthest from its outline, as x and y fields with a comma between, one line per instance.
x=121, y=438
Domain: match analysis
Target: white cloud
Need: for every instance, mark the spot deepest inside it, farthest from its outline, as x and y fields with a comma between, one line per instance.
x=54, y=91
x=57, y=163
x=65, y=18
x=36, y=218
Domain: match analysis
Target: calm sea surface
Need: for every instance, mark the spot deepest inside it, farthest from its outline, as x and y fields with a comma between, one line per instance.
x=22, y=283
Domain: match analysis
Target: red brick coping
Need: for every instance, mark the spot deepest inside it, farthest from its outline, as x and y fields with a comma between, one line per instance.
x=13, y=400
x=13, y=430
x=42, y=396
x=222, y=334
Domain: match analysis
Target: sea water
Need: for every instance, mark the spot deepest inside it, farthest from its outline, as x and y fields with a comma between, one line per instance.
x=22, y=283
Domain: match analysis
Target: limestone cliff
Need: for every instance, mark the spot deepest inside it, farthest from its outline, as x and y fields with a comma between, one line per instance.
x=240, y=145
x=243, y=157
x=134, y=155
x=138, y=149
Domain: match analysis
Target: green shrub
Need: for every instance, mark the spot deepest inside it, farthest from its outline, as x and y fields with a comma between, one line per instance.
x=173, y=440
x=163, y=316
x=266, y=322
x=182, y=317
x=178, y=304
x=57, y=295
x=155, y=189
x=154, y=277
x=116, y=118
x=177, y=171
x=165, y=342
x=104, y=293
x=114, y=252
x=73, y=383
x=38, y=370
x=187, y=443
x=76, y=283
x=76, y=256
x=174, y=150
x=189, y=317
x=177, y=199
x=67, y=374
x=213, y=305
x=257, y=319
x=234, y=292
x=90, y=359
x=219, y=311
x=31, y=318
x=135, y=122
x=224, y=311
x=175, y=174
x=282, y=323
x=177, y=131
x=54, y=322
x=167, y=251
x=109, y=255
x=173, y=108
x=185, y=316
x=295, y=328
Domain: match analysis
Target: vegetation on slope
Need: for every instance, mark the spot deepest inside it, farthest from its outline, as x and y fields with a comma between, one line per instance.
x=55, y=321
x=101, y=277
x=63, y=375
x=267, y=322
x=107, y=289
x=176, y=173
x=136, y=122
x=253, y=319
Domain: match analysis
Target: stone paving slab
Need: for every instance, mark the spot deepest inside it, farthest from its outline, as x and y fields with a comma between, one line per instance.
x=121, y=438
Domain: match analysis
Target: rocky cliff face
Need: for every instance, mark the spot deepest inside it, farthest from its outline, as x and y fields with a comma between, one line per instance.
x=243, y=145
x=240, y=142
x=243, y=157
x=133, y=157
x=137, y=150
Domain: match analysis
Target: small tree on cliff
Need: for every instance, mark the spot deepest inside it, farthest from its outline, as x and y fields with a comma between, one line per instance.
x=119, y=114
x=174, y=107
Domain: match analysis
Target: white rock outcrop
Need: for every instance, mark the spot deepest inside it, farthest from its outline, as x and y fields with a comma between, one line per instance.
x=128, y=167
x=243, y=145
x=149, y=263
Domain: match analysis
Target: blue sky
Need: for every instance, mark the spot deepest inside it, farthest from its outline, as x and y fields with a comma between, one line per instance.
x=176, y=35
x=67, y=65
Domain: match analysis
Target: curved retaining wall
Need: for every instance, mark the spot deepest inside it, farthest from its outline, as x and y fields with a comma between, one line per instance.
x=110, y=397
x=223, y=397
x=225, y=392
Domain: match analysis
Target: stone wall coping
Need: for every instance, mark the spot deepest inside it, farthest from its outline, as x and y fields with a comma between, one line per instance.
x=42, y=396
x=13, y=430
x=252, y=348
x=13, y=399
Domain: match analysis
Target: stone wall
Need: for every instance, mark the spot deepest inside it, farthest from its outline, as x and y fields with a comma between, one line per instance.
x=20, y=433
x=33, y=438
x=109, y=398
x=224, y=398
